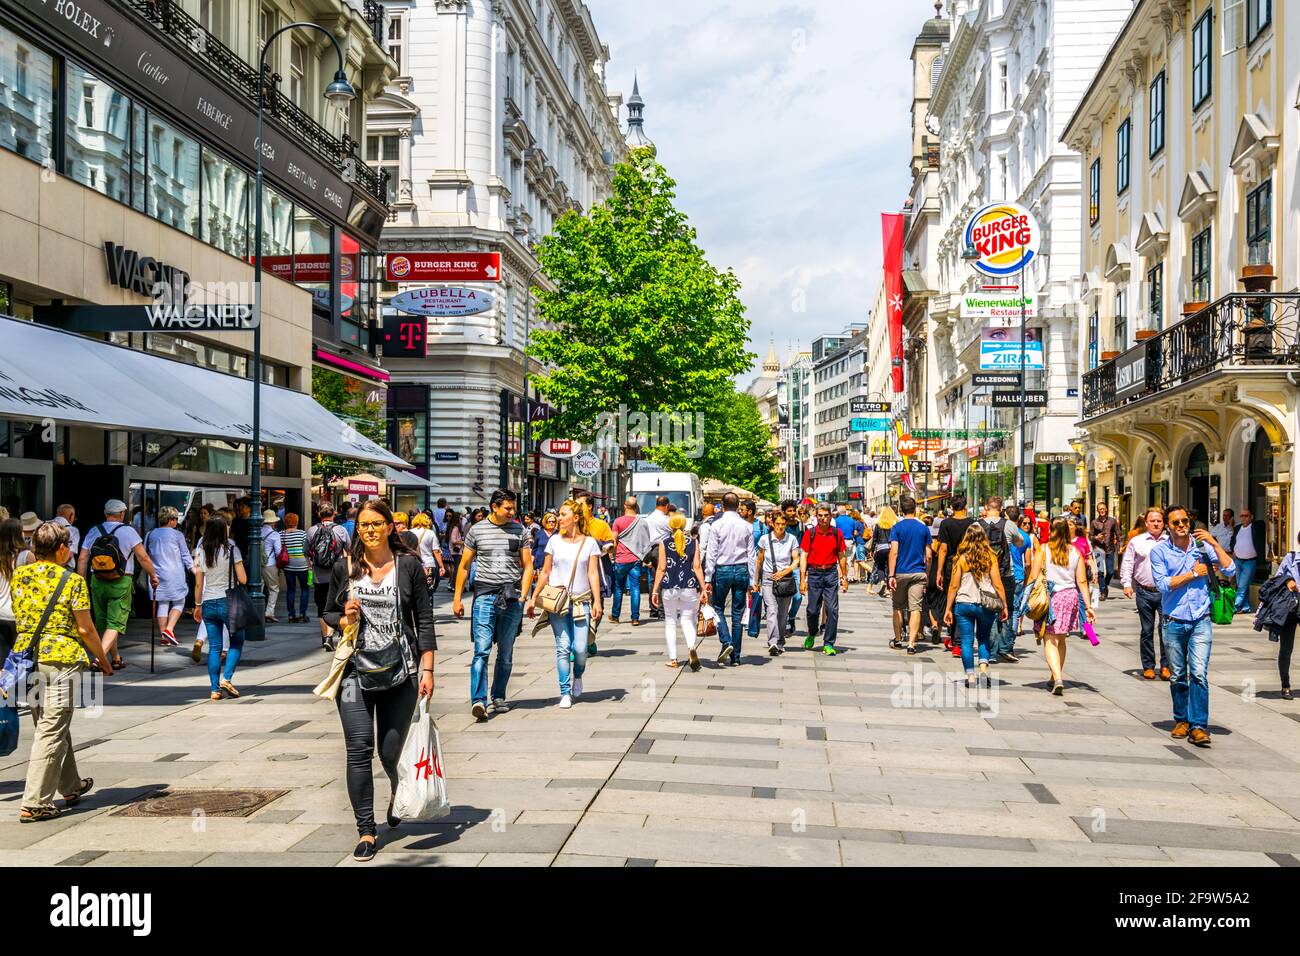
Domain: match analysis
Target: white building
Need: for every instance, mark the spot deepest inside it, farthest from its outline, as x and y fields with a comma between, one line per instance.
x=838, y=374
x=496, y=125
x=1012, y=76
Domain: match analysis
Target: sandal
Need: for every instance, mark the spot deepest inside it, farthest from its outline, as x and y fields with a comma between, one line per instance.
x=71, y=799
x=37, y=814
x=118, y=663
x=673, y=664
x=911, y=648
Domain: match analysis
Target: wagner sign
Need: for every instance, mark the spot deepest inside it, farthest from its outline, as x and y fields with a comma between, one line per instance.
x=1005, y=237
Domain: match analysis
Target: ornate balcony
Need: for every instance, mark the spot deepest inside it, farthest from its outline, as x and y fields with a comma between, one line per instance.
x=188, y=37
x=1242, y=331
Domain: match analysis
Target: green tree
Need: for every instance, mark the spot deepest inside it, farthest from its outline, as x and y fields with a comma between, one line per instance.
x=345, y=397
x=736, y=447
x=636, y=316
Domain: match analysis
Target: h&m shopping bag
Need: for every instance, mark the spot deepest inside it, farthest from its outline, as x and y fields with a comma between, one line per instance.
x=421, y=787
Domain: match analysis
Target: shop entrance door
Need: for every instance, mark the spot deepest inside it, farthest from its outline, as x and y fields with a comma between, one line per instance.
x=1198, y=486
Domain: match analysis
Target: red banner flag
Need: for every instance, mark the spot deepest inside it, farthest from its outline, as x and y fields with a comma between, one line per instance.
x=892, y=226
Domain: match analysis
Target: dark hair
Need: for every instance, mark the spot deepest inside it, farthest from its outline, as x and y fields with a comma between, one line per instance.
x=502, y=495
x=789, y=503
x=395, y=542
x=958, y=502
x=477, y=515
x=662, y=501
x=730, y=501
x=1172, y=508
x=442, y=502
x=326, y=510
x=216, y=535
x=11, y=542
x=908, y=504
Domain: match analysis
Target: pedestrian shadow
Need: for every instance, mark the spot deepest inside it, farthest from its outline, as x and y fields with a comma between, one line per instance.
x=442, y=832
x=1168, y=725
x=1264, y=694
x=616, y=652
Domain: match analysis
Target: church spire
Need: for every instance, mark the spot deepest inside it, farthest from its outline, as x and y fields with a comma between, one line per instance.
x=772, y=364
x=636, y=137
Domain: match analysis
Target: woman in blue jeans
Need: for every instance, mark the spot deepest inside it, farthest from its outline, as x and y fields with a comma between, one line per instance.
x=572, y=562
x=218, y=565
x=976, y=600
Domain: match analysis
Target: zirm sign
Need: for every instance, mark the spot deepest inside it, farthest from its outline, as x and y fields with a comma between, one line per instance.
x=1005, y=237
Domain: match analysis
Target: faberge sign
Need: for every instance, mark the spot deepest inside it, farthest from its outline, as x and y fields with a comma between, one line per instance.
x=1005, y=237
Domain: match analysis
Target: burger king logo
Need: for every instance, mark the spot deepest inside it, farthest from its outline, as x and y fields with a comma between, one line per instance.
x=398, y=267
x=1005, y=238
x=346, y=267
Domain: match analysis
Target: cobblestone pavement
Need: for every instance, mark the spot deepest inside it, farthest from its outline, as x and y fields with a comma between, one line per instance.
x=870, y=757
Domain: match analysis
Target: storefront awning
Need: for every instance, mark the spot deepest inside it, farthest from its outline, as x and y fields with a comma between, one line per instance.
x=406, y=479
x=47, y=373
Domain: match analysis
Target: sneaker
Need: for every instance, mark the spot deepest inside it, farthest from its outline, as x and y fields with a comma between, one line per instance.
x=1008, y=657
x=577, y=688
x=1058, y=689
x=168, y=639
x=808, y=643
x=365, y=851
x=501, y=706
x=196, y=652
x=565, y=702
x=724, y=655
x=479, y=710
x=773, y=650
x=829, y=650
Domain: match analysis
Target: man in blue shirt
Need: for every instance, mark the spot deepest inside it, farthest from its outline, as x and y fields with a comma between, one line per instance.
x=1181, y=566
x=909, y=559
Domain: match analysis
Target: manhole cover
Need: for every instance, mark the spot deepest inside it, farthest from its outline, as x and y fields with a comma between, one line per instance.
x=213, y=803
x=278, y=757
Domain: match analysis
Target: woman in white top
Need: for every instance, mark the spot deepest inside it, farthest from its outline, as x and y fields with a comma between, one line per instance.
x=976, y=600
x=776, y=561
x=430, y=550
x=12, y=555
x=1060, y=562
x=217, y=563
x=679, y=589
x=170, y=554
x=573, y=559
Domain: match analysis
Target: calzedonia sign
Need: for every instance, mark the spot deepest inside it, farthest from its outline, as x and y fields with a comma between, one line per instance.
x=110, y=37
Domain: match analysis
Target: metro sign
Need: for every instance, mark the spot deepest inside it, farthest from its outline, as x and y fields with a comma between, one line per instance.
x=443, y=266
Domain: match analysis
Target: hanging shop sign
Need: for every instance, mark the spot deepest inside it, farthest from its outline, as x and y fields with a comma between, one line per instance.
x=442, y=302
x=1005, y=237
x=998, y=305
x=921, y=467
x=446, y=456
x=988, y=466
x=996, y=379
x=961, y=434
x=1056, y=458
x=870, y=424
x=860, y=406
x=405, y=337
x=1012, y=399
x=1131, y=373
x=586, y=464
x=560, y=447
x=443, y=266
x=1001, y=348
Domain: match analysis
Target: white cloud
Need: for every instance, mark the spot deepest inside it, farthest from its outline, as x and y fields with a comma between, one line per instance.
x=787, y=128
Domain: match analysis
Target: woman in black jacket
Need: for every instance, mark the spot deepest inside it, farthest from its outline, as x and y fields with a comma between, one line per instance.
x=380, y=586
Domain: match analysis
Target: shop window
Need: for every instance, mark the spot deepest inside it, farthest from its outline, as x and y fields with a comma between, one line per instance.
x=173, y=177
x=311, y=247
x=96, y=154
x=277, y=224
x=225, y=204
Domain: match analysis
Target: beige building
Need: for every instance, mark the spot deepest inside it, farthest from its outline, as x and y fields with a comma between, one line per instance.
x=1190, y=261
x=127, y=154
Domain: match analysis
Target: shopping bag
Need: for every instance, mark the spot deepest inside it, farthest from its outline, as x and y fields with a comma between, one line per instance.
x=1090, y=633
x=421, y=787
x=1221, y=609
x=8, y=728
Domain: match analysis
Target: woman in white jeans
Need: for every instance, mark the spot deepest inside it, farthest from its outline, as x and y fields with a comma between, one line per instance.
x=777, y=559
x=682, y=579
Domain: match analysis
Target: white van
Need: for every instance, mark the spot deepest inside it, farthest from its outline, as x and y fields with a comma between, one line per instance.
x=682, y=488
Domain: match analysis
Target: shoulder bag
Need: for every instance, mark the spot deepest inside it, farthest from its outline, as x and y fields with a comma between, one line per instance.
x=989, y=599
x=383, y=668
x=782, y=587
x=555, y=599
x=240, y=610
x=21, y=663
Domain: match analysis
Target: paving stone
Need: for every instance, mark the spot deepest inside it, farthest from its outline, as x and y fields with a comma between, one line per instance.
x=1161, y=833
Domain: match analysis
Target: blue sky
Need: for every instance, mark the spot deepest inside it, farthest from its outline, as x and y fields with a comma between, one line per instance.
x=786, y=126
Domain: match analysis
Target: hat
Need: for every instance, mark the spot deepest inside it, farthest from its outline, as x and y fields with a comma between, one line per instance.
x=30, y=520
x=269, y=516
x=114, y=506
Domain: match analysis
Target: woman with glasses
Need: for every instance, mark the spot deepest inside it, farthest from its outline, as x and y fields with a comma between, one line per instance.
x=1062, y=565
x=380, y=588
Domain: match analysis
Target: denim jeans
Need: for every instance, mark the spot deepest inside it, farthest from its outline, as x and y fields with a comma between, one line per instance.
x=824, y=587
x=974, y=623
x=296, y=586
x=1012, y=624
x=214, y=619
x=730, y=579
x=1245, y=574
x=1004, y=632
x=570, y=638
x=795, y=603
x=493, y=620
x=1148, y=607
x=1188, y=646
x=627, y=579
x=1105, y=570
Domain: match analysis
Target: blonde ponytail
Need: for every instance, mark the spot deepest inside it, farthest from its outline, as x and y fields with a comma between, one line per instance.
x=677, y=524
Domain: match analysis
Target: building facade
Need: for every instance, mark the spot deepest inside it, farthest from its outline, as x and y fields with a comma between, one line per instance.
x=1190, y=262
x=127, y=149
x=839, y=374
x=793, y=398
x=1013, y=73
x=497, y=123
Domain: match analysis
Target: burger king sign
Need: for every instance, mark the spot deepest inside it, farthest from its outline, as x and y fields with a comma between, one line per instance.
x=1005, y=239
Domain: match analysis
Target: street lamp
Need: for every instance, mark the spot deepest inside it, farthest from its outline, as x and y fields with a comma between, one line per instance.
x=339, y=93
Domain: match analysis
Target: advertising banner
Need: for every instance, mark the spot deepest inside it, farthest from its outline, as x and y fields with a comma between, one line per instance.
x=1000, y=348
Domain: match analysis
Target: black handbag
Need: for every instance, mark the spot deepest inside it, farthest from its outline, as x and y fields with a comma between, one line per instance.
x=781, y=587
x=241, y=613
x=382, y=668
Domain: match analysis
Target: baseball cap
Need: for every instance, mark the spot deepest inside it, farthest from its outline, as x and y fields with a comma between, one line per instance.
x=114, y=506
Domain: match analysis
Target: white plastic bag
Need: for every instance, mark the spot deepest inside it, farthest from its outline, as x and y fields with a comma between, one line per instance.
x=421, y=787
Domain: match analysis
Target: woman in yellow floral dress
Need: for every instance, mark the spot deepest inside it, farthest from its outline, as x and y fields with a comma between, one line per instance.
x=67, y=635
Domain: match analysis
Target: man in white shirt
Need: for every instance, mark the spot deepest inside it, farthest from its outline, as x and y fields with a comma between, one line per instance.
x=1135, y=575
x=1222, y=532
x=707, y=519
x=110, y=588
x=1246, y=545
x=271, y=545
x=726, y=571
x=657, y=520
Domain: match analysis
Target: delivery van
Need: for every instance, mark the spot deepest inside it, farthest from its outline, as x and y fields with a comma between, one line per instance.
x=682, y=488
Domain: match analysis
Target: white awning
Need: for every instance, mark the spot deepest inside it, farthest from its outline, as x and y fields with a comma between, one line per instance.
x=46, y=373
x=405, y=479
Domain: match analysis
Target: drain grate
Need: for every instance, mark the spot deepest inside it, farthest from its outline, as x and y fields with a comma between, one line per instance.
x=213, y=803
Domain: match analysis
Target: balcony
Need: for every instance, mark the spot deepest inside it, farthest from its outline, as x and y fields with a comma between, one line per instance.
x=1242, y=331
x=192, y=42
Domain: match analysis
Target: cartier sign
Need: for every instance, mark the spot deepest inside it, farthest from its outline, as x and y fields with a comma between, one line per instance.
x=116, y=39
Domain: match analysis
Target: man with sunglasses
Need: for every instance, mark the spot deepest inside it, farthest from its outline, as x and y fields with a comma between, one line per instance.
x=1182, y=566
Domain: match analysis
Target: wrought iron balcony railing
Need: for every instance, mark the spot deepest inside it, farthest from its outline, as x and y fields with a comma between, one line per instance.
x=188, y=37
x=1241, y=331
x=373, y=13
